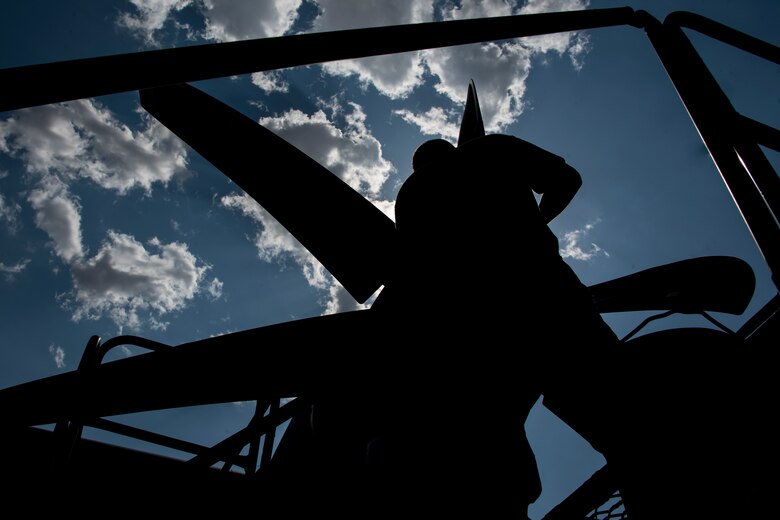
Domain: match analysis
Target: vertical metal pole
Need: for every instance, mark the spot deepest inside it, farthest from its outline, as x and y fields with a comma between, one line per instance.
x=270, y=435
x=67, y=432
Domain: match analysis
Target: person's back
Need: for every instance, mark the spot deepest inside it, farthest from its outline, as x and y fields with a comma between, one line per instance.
x=481, y=317
x=480, y=300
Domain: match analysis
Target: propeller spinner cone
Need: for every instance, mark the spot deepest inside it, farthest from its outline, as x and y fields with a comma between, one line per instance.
x=471, y=126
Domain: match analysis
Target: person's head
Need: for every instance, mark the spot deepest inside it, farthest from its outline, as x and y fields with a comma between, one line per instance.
x=430, y=151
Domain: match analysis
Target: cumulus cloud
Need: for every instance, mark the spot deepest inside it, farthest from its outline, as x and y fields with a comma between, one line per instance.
x=214, y=288
x=575, y=44
x=83, y=140
x=246, y=19
x=58, y=354
x=125, y=280
x=500, y=69
x=222, y=21
x=350, y=152
x=10, y=271
x=272, y=81
x=395, y=76
x=158, y=325
x=436, y=121
x=275, y=243
x=58, y=213
x=62, y=143
x=9, y=214
x=572, y=245
x=149, y=17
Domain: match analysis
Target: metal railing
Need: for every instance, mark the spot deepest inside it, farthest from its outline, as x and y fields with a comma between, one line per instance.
x=268, y=417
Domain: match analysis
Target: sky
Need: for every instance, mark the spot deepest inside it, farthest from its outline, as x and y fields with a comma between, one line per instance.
x=110, y=225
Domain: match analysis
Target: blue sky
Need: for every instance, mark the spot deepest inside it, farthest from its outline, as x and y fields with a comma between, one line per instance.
x=109, y=224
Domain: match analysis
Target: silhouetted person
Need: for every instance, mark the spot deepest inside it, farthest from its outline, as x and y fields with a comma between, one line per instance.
x=486, y=316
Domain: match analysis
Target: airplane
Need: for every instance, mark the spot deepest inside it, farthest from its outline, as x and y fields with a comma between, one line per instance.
x=700, y=433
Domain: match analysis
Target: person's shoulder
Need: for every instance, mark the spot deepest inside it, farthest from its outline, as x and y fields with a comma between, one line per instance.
x=506, y=143
x=491, y=142
x=494, y=139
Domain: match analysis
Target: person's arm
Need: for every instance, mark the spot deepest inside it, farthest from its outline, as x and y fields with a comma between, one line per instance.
x=547, y=173
x=562, y=184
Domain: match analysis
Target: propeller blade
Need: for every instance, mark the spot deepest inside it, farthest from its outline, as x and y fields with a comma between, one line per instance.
x=710, y=283
x=283, y=360
x=471, y=126
x=349, y=235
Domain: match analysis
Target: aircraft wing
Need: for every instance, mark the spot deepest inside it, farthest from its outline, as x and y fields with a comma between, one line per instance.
x=283, y=360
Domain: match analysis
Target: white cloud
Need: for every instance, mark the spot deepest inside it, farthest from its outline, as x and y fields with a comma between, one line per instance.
x=64, y=143
x=9, y=214
x=57, y=212
x=499, y=69
x=81, y=139
x=579, y=47
x=275, y=243
x=158, y=325
x=214, y=288
x=150, y=16
x=572, y=245
x=10, y=271
x=246, y=19
x=395, y=75
x=58, y=354
x=338, y=14
x=575, y=44
x=125, y=280
x=223, y=20
x=350, y=152
x=437, y=121
x=272, y=81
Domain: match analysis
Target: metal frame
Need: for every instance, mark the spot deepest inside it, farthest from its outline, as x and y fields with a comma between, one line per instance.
x=268, y=417
x=732, y=139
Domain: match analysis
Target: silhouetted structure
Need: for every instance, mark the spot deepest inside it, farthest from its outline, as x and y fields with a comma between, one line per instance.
x=451, y=316
x=466, y=286
x=699, y=431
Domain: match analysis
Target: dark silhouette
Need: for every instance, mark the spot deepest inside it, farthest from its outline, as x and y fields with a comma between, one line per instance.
x=420, y=401
x=472, y=325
